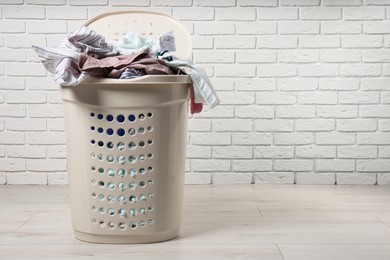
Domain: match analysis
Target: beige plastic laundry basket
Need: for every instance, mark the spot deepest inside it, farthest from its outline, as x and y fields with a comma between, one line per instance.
x=126, y=144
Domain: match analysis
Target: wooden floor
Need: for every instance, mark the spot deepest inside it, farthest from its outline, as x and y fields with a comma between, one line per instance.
x=292, y=222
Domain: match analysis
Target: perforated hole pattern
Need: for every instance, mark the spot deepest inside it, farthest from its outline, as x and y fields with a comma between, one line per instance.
x=122, y=171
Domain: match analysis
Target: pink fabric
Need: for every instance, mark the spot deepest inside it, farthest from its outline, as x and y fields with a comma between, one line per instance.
x=194, y=107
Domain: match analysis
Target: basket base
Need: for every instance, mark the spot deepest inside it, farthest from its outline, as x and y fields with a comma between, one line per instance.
x=129, y=239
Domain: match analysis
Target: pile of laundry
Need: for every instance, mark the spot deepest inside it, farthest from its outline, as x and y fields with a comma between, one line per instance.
x=85, y=53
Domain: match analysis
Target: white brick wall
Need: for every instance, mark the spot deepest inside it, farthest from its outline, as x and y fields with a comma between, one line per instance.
x=304, y=88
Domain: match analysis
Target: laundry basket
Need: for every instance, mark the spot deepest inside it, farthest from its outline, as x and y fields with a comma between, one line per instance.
x=126, y=143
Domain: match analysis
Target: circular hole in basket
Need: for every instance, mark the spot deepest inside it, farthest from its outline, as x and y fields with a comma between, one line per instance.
x=150, y=221
x=133, y=212
x=142, y=197
x=121, y=159
x=111, y=198
x=93, y=168
x=132, y=172
x=133, y=199
x=101, y=157
x=120, y=118
x=122, y=199
x=101, y=143
x=150, y=168
x=93, y=155
x=142, y=210
x=121, y=186
x=142, y=223
x=121, y=146
x=100, y=130
x=133, y=185
x=121, y=132
x=132, y=145
x=102, y=223
x=110, y=131
x=93, y=195
x=101, y=184
x=101, y=210
x=121, y=173
x=101, y=197
x=150, y=141
x=110, y=145
x=150, y=128
x=132, y=118
x=150, y=208
x=141, y=144
x=111, y=212
x=132, y=159
x=141, y=130
x=93, y=141
x=93, y=182
x=133, y=225
x=92, y=128
x=142, y=184
x=150, y=114
x=122, y=226
x=142, y=157
x=100, y=116
x=111, y=172
x=110, y=158
x=142, y=171
x=150, y=155
x=151, y=195
x=132, y=131
x=92, y=114
x=110, y=118
x=94, y=221
x=122, y=213
x=111, y=225
x=141, y=116
x=111, y=185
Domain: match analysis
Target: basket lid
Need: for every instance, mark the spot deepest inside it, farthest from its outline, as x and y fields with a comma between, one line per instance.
x=114, y=25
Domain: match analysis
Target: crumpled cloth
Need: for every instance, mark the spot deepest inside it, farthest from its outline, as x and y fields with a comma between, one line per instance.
x=131, y=73
x=113, y=67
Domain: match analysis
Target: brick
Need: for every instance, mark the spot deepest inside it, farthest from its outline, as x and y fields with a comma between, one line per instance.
x=203, y=165
x=354, y=97
x=43, y=138
x=219, y=3
x=54, y=97
x=25, y=69
x=277, y=98
x=363, y=13
x=384, y=125
x=11, y=83
x=56, y=152
x=222, y=83
x=21, y=178
x=89, y=2
x=57, y=178
x=386, y=69
x=297, y=84
x=351, y=152
x=280, y=13
x=194, y=13
x=22, y=124
x=315, y=178
x=293, y=165
x=297, y=56
x=317, y=98
x=255, y=56
x=385, y=97
x=46, y=165
x=55, y=124
x=295, y=27
x=210, y=138
x=12, y=110
x=335, y=138
x=293, y=138
x=24, y=12
x=274, y=177
x=320, y=13
x=12, y=138
x=340, y=56
x=237, y=125
x=377, y=2
x=213, y=56
x=202, y=42
x=375, y=111
x=277, y=70
x=318, y=70
x=11, y=26
x=315, y=151
x=215, y=28
x=47, y=27
x=232, y=152
x=273, y=152
x=339, y=84
x=3, y=178
x=198, y=178
x=251, y=165
x=295, y=111
x=254, y=112
x=32, y=56
x=12, y=165
x=132, y=3
x=250, y=28
x=235, y=70
x=373, y=138
x=12, y=55
x=199, y=125
x=217, y=112
x=252, y=138
x=341, y=27
x=234, y=42
x=376, y=56
x=22, y=151
x=335, y=165
x=197, y=152
x=68, y=13
x=44, y=111
x=375, y=84
x=384, y=152
x=236, y=98
x=376, y=27
x=357, y=125
x=299, y=2
x=277, y=42
x=45, y=2
x=41, y=84
x=355, y=178
x=384, y=178
x=341, y=2
x=379, y=165
x=338, y=111
x=231, y=178
x=314, y=125
x=11, y=2
x=28, y=97
x=255, y=84
x=235, y=14
x=362, y=41
x=271, y=125
x=268, y=3
x=360, y=70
